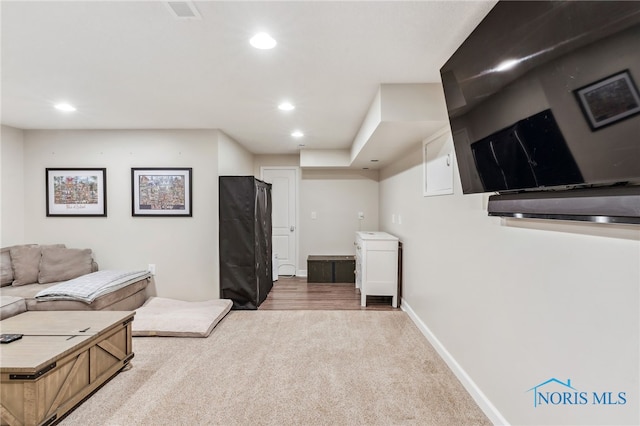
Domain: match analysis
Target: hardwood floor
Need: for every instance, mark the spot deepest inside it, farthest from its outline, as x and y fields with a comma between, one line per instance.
x=294, y=293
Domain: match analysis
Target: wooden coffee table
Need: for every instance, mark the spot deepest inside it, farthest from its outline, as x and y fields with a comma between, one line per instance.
x=63, y=357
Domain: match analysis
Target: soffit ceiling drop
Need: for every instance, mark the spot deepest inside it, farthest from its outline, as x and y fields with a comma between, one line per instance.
x=400, y=116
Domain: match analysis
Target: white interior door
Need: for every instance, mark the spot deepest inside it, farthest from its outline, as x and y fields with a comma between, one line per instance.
x=284, y=202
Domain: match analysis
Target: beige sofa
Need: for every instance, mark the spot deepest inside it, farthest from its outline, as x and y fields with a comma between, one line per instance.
x=27, y=269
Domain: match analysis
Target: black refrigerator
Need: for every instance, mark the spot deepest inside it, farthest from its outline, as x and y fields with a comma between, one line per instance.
x=245, y=240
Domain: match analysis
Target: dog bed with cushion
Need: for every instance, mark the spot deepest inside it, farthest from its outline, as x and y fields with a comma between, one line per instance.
x=161, y=316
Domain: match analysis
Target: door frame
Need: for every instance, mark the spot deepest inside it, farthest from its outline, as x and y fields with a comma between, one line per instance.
x=296, y=170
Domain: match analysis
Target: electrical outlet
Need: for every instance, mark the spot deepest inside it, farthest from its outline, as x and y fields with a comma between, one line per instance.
x=152, y=268
x=314, y=215
x=399, y=220
x=360, y=215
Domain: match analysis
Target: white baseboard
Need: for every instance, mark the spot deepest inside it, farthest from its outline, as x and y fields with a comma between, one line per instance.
x=301, y=273
x=479, y=397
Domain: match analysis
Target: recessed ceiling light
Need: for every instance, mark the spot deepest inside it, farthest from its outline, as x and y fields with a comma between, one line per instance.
x=263, y=41
x=297, y=134
x=286, y=106
x=65, y=107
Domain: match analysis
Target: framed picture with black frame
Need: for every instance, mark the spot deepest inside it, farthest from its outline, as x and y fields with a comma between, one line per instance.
x=74, y=192
x=162, y=192
x=609, y=100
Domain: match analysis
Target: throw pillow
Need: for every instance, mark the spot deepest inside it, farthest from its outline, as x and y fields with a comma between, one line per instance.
x=25, y=262
x=62, y=264
x=6, y=268
x=6, y=271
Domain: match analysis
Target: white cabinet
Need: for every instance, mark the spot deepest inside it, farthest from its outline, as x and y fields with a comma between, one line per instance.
x=377, y=265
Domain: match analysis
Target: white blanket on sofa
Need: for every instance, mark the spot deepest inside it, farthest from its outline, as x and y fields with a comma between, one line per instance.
x=91, y=286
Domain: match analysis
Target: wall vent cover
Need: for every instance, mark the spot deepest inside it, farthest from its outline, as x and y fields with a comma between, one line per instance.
x=183, y=9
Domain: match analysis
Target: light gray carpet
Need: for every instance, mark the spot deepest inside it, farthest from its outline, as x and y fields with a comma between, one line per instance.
x=287, y=368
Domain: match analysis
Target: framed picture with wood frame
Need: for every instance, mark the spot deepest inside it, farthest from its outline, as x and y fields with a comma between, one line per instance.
x=161, y=191
x=609, y=100
x=76, y=192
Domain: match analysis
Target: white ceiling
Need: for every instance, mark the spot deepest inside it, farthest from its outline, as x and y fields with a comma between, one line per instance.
x=134, y=65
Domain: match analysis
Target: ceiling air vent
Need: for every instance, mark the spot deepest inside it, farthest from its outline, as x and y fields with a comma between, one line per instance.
x=184, y=9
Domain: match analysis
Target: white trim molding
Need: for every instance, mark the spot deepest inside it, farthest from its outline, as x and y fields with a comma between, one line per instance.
x=479, y=397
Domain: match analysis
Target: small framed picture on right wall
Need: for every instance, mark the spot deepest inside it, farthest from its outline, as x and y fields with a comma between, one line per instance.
x=609, y=100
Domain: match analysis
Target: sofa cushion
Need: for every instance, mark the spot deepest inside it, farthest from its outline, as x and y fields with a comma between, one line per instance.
x=61, y=264
x=6, y=268
x=6, y=271
x=27, y=291
x=26, y=263
x=11, y=306
x=126, y=298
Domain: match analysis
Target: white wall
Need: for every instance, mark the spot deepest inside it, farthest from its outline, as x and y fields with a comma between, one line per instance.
x=273, y=160
x=517, y=303
x=12, y=203
x=185, y=250
x=233, y=158
x=336, y=197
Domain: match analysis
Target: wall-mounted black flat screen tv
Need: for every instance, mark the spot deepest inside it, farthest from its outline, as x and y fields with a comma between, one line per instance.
x=543, y=95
